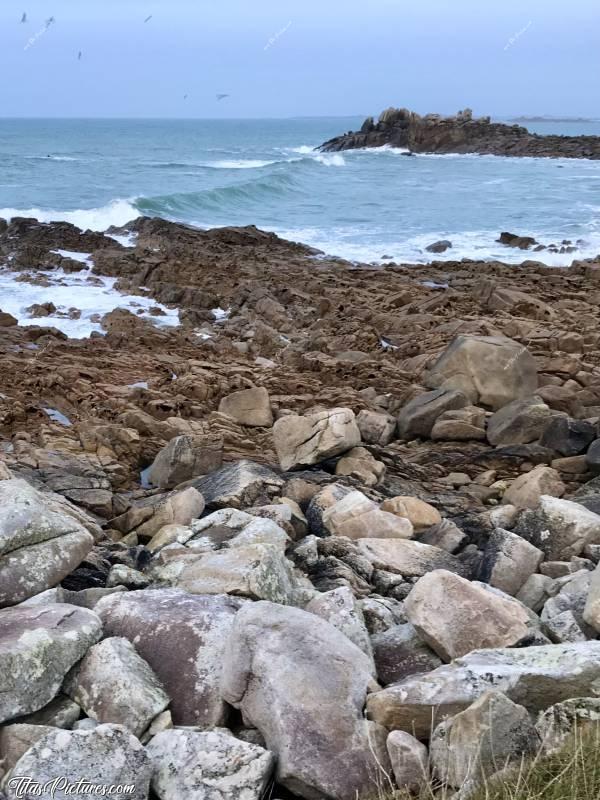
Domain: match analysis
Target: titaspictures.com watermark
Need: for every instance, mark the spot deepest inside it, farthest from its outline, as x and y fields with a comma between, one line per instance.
x=27, y=787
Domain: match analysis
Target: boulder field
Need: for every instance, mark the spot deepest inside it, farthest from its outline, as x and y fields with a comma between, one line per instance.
x=333, y=536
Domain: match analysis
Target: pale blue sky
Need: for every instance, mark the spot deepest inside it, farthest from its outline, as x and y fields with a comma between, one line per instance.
x=280, y=58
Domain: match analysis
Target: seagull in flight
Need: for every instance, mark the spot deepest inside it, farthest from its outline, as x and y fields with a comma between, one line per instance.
x=148, y=18
x=221, y=97
x=24, y=17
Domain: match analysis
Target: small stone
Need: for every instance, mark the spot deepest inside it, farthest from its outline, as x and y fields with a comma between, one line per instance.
x=420, y=514
x=251, y=407
x=357, y=517
x=376, y=427
x=519, y=422
x=419, y=415
x=359, y=463
x=508, y=561
x=526, y=490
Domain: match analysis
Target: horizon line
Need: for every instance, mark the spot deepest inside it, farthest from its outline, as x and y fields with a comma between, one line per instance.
x=140, y=118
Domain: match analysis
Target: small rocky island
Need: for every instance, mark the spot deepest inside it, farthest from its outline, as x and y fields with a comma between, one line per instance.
x=462, y=133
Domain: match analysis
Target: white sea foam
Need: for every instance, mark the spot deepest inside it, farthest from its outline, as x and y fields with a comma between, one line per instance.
x=239, y=164
x=476, y=245
x=331, y=159
x=91, y=294
x=125, y=239
x=117, y=213
x=83, y=258
x=304, y=149
x=52, y=158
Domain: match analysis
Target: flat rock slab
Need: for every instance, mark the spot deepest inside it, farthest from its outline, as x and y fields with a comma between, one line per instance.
x=534, y=677
x=408, y=558
x=38, y=646
x=238, y=485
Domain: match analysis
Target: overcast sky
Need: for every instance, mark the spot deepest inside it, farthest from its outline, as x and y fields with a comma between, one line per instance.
x=281, y=58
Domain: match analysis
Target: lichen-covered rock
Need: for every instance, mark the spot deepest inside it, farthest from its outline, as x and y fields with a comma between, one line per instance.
x=114, y=684
x=40, y=543
x=561, y=528
x=182, y=637
x=557, y=724
x=196, y=765
x=482, y=740
x=257, y=571
x=38, y=646
x=303, y=684
x=108, y=755
x=340, y=608
x=534, y=677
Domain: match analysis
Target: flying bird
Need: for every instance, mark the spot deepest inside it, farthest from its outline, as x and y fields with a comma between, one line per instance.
x=148, y=18
x=50, y=21
x=79, y=56
x=221, y=97
x=24, y=17
x=185, y=97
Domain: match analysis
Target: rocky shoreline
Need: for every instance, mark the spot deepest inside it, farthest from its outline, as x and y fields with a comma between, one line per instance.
x=461, y=133
x=310, y=541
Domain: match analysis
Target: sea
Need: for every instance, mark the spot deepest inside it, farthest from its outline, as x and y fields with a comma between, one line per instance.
x=369, y=205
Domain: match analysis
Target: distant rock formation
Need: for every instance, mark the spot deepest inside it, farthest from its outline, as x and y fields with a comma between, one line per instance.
x=462, y=133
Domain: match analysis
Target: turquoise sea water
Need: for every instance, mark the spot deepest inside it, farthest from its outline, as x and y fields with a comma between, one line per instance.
x=363, y=205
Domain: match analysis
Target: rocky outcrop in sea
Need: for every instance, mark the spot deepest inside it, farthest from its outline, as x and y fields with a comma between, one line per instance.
x=461, y=133
x=335, y=534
